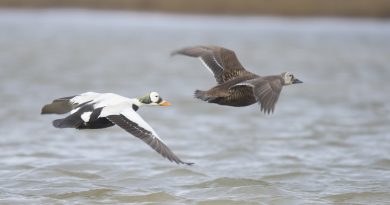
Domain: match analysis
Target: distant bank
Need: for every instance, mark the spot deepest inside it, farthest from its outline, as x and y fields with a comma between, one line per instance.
x=351, y=8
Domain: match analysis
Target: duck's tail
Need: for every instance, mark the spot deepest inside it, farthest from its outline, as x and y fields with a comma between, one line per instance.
x=58, y=106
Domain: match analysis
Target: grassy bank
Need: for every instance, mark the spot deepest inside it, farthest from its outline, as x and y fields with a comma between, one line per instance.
x=369, y=8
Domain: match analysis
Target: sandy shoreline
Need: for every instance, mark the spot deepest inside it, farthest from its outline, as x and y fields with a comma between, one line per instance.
x=356, y=8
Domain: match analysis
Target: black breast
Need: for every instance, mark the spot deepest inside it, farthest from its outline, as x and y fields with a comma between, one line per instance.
x=99, y=123
x=96, y=122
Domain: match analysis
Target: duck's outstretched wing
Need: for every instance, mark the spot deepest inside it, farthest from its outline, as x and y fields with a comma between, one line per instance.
x=130, y=121
x=265, y=91
x=222, y=62
x=67, y=104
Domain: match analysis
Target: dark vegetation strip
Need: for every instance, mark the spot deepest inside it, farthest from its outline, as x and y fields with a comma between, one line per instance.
x=368, y=8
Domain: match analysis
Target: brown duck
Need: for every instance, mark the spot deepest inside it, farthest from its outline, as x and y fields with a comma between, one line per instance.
x=237, y=86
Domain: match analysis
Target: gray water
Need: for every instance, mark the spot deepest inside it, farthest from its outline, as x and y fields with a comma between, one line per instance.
x=328, y=141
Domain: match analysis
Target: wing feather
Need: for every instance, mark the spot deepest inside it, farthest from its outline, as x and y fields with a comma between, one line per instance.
x=222, y=62
x=266, y=92
x=135, y=125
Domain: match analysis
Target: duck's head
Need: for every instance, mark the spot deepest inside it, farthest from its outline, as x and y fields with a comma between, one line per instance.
x=289, y=79
x=153, y=98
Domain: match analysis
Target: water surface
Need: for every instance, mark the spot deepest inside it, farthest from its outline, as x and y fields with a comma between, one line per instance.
x=327, y=143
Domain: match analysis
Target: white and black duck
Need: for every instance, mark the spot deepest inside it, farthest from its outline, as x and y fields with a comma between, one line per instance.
x=237, y=86
x=92, y=110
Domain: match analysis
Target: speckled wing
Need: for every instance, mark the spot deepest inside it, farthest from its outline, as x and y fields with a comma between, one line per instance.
x=222, y=62
x=266, y=92
x=130, y=121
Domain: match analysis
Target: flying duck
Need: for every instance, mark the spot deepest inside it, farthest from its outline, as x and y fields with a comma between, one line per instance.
x=92, y=110
x=236, y=86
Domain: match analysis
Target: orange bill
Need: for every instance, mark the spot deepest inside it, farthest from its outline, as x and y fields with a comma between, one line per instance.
x=165, y=103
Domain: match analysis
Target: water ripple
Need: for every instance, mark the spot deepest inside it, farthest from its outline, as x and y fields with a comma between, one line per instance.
x=91, y=193
x=160, y=197
x=327, y=142
x=229, y=182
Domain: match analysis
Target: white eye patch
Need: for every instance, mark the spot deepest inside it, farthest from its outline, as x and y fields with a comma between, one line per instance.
x=288, y=78
x=154, y=97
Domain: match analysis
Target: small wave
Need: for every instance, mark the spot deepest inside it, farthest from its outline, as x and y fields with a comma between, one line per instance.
x=382, y=163
x=180, y=172
x=153, y=197
x=224, y=202
x=229, y=182
x=40, y=155
x=46, y=155
x=83, y=175
x=92, y=193
x=360, y=197
x=286, y=176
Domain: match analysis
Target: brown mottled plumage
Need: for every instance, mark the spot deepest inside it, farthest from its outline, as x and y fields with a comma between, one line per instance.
x=237, y=86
